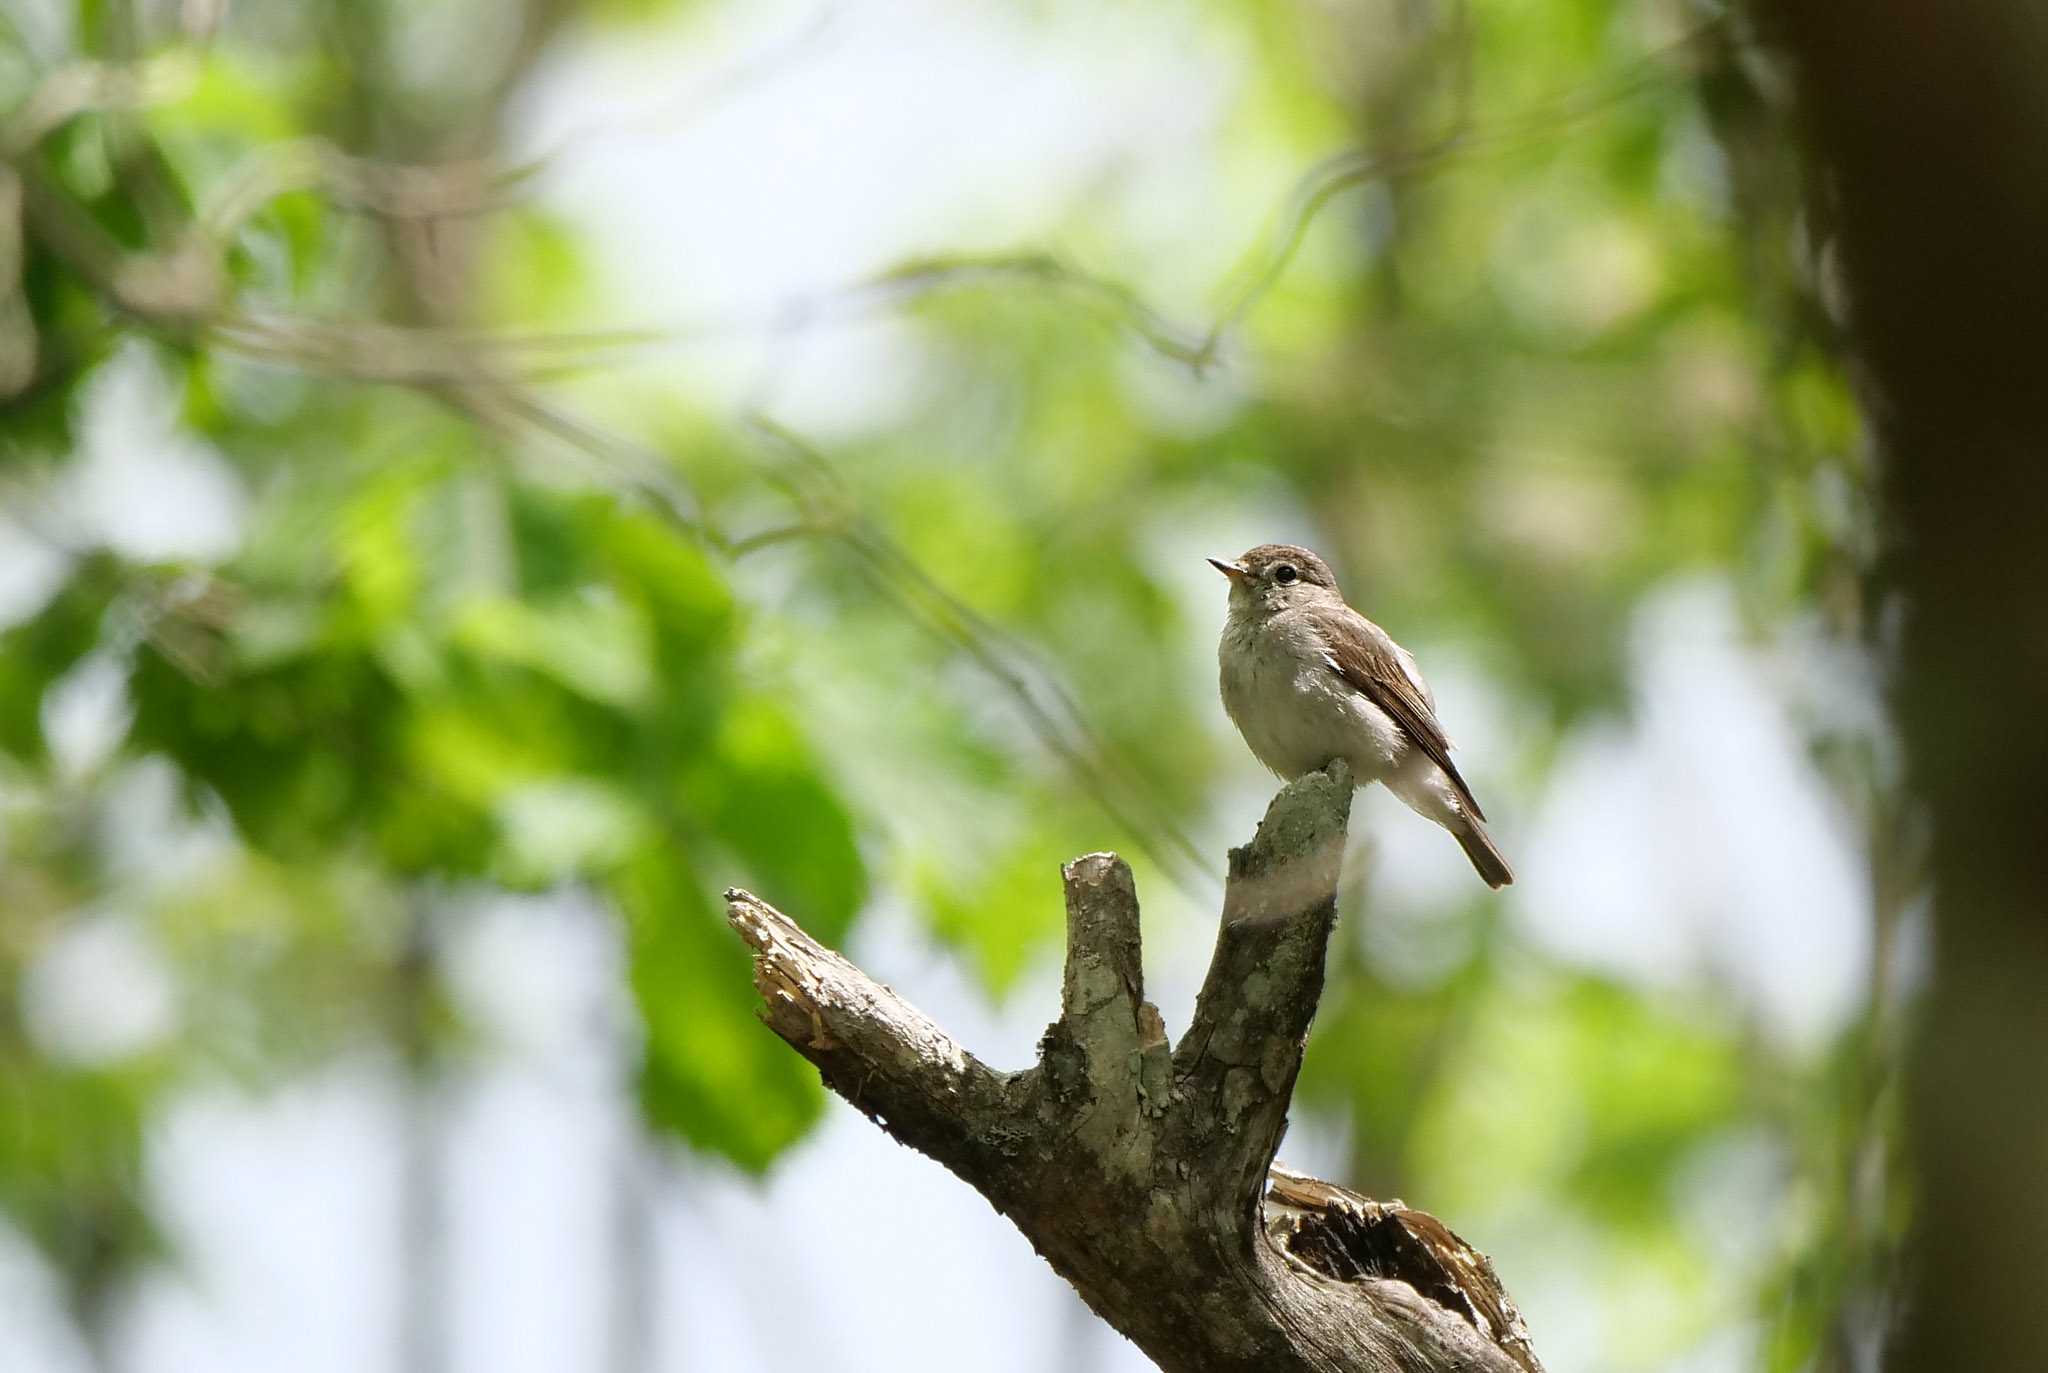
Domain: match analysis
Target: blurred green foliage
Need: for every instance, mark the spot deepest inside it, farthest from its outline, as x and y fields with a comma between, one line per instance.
x=495, y=616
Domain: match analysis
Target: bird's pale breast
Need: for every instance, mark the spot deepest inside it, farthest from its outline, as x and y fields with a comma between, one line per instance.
x=1293, y=710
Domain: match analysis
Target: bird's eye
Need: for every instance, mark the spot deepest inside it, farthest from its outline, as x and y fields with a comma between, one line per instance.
x=1285, y=573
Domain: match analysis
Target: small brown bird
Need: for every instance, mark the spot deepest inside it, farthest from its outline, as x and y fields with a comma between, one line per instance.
x=1307, y=679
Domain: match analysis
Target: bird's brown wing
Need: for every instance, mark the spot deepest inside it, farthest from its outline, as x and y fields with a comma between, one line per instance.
x=1363, y=655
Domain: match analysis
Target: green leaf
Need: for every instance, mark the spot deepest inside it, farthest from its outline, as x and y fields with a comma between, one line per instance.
x=759, y=791
x=710, y=1073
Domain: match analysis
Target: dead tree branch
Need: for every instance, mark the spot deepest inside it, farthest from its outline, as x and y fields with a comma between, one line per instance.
x=1143, y=1173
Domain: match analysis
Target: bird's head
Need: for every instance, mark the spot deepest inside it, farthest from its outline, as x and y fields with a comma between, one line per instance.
x=1277, y=576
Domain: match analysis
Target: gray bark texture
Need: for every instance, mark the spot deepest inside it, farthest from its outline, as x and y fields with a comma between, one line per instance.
x=1143, y=1171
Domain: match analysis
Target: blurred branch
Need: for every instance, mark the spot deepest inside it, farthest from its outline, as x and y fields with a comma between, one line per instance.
x=93, y=87
x=479, y=185
x=447, y=362
x=1264, y=264
x=1141, y=1172
x=372, y=350
x=918, y=276
x=1048, y=707
x=464, y=186
x=768, y=538
x=694, y=101
x=17, y=323
x=474, y=187
x=355, y=350
x=471, y=383
x=1268, y=261
x=469, y=186
x=176, y=287
x=647, y=474
x=489, y=374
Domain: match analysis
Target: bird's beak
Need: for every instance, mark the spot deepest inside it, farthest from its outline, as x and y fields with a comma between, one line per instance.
x=1234, y=571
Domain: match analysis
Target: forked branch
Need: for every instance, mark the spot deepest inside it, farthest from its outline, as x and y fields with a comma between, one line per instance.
x=1144, y=1174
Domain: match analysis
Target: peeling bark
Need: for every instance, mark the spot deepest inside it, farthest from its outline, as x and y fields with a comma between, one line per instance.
x=1144, y=1173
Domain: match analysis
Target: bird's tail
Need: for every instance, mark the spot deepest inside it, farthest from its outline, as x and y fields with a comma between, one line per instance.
x=1478, y=846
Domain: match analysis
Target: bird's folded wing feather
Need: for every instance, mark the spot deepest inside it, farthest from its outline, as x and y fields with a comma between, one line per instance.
x=1365, y=657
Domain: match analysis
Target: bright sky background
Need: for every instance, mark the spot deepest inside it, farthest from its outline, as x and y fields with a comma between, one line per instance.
x=1695, y=840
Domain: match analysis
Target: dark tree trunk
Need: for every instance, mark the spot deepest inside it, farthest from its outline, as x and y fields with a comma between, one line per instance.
x=1144, y=1172
x=1929, y=125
